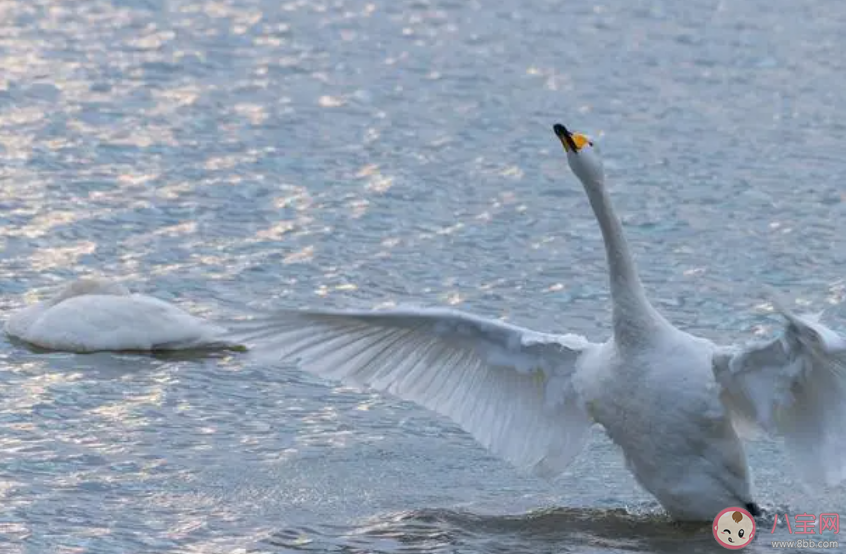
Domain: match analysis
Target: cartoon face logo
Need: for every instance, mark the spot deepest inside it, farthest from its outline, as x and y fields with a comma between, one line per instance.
x=734, y=528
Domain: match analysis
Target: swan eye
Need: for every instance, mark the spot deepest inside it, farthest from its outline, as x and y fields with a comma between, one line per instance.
x=740, y=533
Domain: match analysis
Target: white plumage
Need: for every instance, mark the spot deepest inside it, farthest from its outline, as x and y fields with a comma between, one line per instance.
x=794, y=386
x=92, y=315
x=672, y=401
x=509, y=387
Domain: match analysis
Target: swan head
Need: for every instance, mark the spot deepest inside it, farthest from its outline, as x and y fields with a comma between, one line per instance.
x=582, y=156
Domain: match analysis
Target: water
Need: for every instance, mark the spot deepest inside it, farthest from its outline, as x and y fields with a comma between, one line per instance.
x=235, y=153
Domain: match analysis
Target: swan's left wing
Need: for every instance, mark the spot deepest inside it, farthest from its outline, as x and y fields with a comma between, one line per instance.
x=509, y=387
x=795, y=386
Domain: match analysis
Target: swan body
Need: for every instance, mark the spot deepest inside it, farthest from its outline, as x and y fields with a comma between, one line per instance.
x=672, y=402
x=92, y=315
x=658, y=401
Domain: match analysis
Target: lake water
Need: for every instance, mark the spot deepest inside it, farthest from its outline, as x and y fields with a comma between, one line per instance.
x=228, y=154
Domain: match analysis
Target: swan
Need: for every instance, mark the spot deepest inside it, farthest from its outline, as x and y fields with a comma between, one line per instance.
x=94, y=315
x=675, y=404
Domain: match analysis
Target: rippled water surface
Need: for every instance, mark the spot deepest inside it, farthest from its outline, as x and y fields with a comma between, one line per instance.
x=231, y=153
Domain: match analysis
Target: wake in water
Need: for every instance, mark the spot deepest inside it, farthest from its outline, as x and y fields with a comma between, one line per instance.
x=554, y=530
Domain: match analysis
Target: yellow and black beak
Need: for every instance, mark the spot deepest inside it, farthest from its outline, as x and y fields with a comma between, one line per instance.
x=572, y=142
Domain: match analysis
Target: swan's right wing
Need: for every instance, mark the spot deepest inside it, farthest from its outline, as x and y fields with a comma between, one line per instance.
x=509, y=387
x=795, y=386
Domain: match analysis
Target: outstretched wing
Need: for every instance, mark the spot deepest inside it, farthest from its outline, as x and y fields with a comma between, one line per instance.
x=507, y=386
x=795, y=386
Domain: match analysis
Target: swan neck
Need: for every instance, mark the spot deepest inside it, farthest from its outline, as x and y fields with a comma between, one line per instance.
x=632, y=313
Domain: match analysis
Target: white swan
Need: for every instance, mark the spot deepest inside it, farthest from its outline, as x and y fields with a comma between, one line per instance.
x=93, y=315
x=670, y=400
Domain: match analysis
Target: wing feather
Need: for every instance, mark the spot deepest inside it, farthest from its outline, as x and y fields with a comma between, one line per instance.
x=509, y=387
x=794, y=386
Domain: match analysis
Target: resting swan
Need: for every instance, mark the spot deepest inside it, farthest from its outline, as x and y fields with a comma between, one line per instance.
x=673, y=402
x=93, y=315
